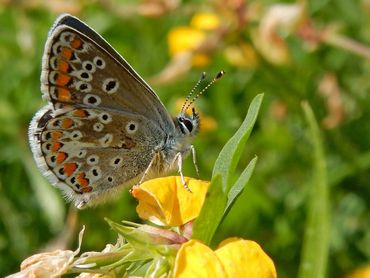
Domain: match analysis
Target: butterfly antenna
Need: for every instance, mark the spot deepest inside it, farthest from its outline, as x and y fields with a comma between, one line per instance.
x=217, y=77
x=202, y=77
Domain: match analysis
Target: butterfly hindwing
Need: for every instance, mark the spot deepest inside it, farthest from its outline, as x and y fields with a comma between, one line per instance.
x=83, y=152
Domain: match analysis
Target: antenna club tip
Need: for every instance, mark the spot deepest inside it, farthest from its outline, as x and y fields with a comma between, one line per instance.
x=203, y=76
x=220, y=74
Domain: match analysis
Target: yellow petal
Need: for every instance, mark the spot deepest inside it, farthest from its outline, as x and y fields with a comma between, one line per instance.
x=184, y=39
x=195, y=259
x=165, y=201
x=363, y=272
x=205, y=21
x=245, y=258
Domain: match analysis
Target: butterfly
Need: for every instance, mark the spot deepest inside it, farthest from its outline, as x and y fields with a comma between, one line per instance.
x=103, y=128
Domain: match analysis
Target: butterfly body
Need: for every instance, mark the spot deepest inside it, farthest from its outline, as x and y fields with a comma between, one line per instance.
x=104, y=127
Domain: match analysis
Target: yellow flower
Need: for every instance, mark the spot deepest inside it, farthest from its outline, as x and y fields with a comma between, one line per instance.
x=165, y=201
x=234, y=258
x=195, y=259
x=363, y=272
x=244, y=258
x=184, y=39
x=187, y=39
x=205, y=21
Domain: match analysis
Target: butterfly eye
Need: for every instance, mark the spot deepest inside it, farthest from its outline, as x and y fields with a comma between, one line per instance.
x=189, y=125
x=186, y=125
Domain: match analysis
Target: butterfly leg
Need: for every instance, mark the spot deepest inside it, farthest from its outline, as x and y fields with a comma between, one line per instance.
x=178, y=157
x=148, y=168
x=193, y=154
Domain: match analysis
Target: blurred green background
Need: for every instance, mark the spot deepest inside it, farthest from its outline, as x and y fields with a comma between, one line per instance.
x=293, y=51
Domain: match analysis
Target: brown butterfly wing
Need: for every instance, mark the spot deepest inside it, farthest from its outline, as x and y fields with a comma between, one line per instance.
x=103, y=123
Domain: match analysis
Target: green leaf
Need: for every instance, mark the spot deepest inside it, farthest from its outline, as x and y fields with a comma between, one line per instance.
x=230, y=154
x=316, y=238
x=240, y=184
x=218, y=198
x=212, y=212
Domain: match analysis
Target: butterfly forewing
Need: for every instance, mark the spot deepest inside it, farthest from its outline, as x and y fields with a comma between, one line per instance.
x=78, y=71
x=80, y=26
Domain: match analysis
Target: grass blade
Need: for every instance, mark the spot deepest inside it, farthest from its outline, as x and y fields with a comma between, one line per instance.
x=316, y=238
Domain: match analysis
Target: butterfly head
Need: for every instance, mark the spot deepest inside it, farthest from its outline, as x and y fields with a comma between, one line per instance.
x=188, y=124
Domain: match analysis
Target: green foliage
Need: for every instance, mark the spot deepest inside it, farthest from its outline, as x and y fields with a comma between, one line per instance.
x=315, y=248
x=223, y=191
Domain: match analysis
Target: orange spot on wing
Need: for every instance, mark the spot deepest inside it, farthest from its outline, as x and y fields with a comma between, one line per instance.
x=56, y=146
x=86, y=189
x=69, y=168
x=66, y=53
x=63, y=66
x=63, y=79
x=63, y=94
x=67, y=123
x=80, y=113
x=82, y=181
x=55, y=136
x=76, y=43
x=61, y=157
